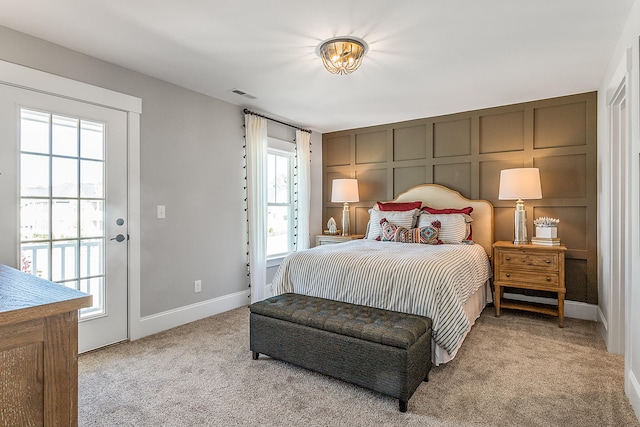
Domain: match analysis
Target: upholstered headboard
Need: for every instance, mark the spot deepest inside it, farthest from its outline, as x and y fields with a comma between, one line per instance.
x=440, y=197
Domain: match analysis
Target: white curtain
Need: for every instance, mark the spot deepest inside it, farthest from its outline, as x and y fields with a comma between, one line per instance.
x=256, y=140
x=303, y=157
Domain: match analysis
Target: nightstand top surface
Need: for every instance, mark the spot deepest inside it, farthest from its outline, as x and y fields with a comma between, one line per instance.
x=340, y=236
x=506, y=244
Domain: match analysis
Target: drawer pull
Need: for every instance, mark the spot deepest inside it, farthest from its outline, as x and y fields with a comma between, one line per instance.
x=508, y=258
x=548, y=279
x=508, y=275
x=547, y=261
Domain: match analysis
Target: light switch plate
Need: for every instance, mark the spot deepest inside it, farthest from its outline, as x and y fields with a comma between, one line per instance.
x=161, y=211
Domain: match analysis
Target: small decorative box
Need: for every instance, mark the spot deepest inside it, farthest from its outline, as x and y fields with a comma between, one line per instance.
x=546, y=228
x=548, y=232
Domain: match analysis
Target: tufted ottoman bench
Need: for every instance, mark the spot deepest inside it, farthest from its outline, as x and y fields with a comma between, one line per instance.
x=382, y=350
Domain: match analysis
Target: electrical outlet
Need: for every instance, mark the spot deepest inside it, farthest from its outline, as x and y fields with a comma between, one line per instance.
x=197, y=286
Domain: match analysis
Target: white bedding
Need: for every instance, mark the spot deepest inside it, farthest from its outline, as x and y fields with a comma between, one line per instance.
x=430, y=280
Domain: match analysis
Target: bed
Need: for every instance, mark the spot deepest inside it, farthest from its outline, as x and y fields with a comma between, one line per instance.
x=448, y=283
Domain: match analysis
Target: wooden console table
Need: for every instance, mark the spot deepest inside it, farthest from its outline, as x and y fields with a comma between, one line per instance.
x=38, y=350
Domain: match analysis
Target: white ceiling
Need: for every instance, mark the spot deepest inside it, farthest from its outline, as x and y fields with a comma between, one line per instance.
x=426, y=57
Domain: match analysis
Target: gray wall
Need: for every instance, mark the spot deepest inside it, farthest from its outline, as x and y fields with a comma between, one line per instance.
x=191, y=162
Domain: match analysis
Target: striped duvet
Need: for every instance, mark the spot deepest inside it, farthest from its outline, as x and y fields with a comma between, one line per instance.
x=429, y=280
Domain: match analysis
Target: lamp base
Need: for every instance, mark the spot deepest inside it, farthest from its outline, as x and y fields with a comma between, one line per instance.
x=520, y=224
x=345, y=219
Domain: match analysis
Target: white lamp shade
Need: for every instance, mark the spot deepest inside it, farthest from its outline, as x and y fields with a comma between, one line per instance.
x=520, y=183
x=345, y=190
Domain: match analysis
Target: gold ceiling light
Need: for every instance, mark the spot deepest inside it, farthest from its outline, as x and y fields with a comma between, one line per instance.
x=342, y=55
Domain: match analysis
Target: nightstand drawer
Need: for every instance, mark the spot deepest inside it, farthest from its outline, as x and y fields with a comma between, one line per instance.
x=540, y=277
x=521, y=259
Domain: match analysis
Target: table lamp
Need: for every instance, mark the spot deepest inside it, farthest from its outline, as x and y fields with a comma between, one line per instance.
x=520, y=184
x=345, y=191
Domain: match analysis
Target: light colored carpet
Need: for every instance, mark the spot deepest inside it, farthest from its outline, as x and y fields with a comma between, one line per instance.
x=516, y=370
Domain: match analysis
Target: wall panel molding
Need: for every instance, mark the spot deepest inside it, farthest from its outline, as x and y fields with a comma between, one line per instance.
x=466, y=151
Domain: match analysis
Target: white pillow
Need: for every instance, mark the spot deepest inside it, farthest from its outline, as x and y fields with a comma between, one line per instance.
x=453, y=227
x=406, y=219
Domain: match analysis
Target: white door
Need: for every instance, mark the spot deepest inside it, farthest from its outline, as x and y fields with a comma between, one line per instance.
x=63, y=166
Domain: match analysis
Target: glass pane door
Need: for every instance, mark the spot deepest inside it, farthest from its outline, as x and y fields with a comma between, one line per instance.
x=64, y=187
x=62, y=202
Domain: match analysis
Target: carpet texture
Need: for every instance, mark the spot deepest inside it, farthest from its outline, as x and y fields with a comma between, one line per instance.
x=516, y=370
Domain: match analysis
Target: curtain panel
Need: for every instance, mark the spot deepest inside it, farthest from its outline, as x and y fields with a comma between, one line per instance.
x=303, y=165
x=256, y=140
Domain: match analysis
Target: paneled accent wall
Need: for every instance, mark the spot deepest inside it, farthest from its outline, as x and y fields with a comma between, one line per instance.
x=467, y=151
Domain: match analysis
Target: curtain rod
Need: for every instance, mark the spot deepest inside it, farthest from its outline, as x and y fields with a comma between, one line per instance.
x=246, y=111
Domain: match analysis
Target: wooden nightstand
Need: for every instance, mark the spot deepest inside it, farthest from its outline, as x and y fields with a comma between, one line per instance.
x=329, y=239
x=529, y=266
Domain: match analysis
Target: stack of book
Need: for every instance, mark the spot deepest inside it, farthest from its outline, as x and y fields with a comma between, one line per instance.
x=545, y=241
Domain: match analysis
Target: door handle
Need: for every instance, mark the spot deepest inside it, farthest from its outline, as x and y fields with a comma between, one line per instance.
x=119, y=238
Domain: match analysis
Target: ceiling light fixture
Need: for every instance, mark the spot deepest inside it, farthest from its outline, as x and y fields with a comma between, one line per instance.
x=342, y=55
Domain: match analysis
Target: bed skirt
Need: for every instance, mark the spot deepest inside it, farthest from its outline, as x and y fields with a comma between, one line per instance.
x=473, y=308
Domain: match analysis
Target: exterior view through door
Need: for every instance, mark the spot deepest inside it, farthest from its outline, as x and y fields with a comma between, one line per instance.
x=70, y=192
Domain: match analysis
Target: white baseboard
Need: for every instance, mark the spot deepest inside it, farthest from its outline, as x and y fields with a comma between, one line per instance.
x=573, y=309
x=602, y=319
x=159, y=322
x=603, y=326
x=633, y=392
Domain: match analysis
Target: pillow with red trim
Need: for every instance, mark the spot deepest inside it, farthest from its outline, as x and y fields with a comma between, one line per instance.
x=425, y=235
x=399, y=206
x=453, y=227
x=448, y=211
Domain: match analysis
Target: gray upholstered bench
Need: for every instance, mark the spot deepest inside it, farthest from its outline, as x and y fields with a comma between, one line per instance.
x=382, y=350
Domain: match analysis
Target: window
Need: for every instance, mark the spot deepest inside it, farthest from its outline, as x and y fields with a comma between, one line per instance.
x=280, y=209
